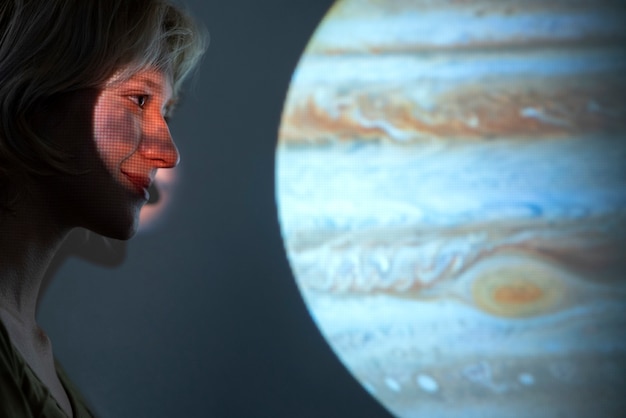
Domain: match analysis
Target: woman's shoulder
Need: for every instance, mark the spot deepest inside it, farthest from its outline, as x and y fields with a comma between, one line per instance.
x=16, y=395
x=79, y=405
x=9, y=360
x=22, y=395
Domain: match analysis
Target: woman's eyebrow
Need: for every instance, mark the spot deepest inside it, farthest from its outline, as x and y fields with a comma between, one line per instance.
x=150, y=83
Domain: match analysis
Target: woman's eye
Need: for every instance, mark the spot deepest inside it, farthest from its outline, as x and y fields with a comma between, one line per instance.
x=139, y=99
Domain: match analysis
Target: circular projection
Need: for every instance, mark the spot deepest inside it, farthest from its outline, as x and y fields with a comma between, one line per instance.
x=451, y=184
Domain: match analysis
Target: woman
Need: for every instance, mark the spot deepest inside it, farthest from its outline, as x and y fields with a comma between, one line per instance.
x=86, y=88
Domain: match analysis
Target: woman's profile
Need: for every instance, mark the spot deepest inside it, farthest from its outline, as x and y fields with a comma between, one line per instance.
x=86, y=88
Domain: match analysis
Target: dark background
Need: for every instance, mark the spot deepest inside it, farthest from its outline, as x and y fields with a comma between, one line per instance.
x=201, y=317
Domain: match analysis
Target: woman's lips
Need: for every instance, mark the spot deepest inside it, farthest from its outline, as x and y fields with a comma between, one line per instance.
x=141, y=183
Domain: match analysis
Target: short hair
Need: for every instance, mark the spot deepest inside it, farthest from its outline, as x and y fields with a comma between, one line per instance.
x=51, y=47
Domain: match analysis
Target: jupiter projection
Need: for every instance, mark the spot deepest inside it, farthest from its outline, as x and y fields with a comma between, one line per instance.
x=451, y=186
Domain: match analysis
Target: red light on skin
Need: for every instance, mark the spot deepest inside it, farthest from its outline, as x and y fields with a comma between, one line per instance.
x=165, y=181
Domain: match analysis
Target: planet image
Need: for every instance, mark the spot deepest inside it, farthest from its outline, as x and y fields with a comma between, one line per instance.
x=451, y=189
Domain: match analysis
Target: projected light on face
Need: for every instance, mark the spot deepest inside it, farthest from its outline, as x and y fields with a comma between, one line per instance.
x=134, y=143
x=451, y=184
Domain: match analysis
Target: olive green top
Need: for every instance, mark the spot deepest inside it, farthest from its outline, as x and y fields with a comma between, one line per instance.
x=23, y=395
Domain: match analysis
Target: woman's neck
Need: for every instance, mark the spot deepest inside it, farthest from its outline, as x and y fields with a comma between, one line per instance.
x=29, y=238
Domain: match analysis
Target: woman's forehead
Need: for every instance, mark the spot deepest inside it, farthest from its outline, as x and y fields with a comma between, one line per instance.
x=153, y=78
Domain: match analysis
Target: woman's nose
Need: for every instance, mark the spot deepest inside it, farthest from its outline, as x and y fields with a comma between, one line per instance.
x=158, y=146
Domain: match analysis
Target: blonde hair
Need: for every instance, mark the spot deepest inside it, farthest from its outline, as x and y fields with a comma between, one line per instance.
x=50, y=47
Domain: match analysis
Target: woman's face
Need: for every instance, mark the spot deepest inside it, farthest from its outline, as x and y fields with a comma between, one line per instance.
x=120, y=136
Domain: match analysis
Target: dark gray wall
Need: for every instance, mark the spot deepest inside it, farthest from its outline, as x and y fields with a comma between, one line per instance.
x=201, y=317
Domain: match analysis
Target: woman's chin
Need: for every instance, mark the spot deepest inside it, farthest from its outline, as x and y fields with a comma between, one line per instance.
x=120, y=233
x=121, y=227
x=124, y=234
